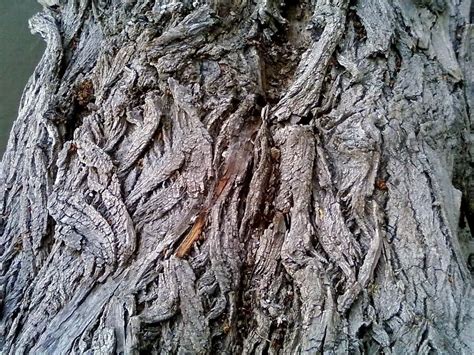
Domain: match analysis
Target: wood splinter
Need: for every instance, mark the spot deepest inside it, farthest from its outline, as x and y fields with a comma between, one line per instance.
x=191, y=237
x=195, y=232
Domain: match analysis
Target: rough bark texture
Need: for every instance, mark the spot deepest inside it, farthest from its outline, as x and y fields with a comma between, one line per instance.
x=236, y=176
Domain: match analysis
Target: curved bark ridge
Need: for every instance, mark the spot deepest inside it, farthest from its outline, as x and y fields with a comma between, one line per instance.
x=269, y=177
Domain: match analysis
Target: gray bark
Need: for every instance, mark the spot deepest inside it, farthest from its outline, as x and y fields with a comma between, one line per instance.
x=234, y=176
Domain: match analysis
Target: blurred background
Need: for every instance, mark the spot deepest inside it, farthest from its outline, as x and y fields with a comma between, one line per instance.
x=20, y=51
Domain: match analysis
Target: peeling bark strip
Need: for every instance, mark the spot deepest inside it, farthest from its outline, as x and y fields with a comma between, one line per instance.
x=276, y=177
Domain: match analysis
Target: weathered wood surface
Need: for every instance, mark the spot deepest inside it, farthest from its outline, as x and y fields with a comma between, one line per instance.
x=236, y=176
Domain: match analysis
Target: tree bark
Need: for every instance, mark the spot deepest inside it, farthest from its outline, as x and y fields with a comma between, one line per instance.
x=236, y=176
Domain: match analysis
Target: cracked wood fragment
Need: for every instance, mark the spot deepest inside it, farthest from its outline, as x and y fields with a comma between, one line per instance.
x=193, y=235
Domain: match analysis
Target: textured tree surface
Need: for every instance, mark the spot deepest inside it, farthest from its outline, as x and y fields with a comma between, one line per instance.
x=235, y=176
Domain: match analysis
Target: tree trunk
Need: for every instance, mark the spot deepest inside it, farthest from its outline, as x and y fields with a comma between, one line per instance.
x=235, y=176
